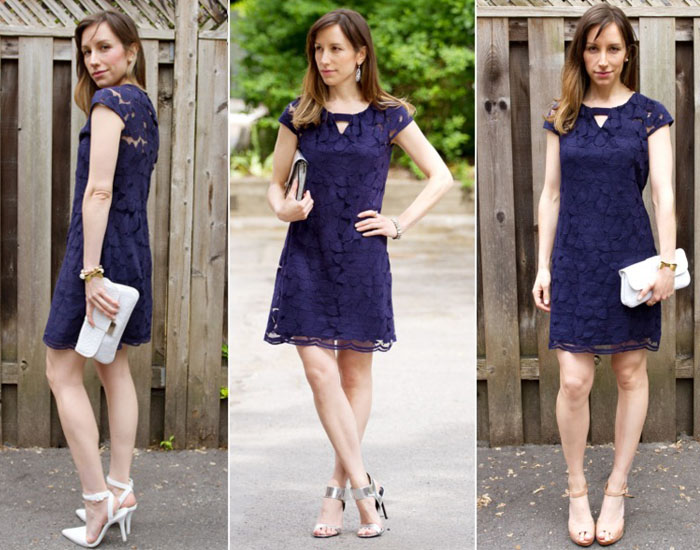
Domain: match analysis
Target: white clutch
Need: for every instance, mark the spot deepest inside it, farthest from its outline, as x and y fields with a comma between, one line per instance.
x=102, y=340
x=636, y=276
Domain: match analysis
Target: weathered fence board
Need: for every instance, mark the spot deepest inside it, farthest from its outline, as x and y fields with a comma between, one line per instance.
x=34, y=237
x=208, y=246
x=497, y=230
x=181, y=198
x=546, y=55
x=657, y=79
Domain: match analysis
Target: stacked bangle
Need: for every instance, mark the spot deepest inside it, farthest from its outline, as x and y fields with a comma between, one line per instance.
x=398, y=229
x=87, y=274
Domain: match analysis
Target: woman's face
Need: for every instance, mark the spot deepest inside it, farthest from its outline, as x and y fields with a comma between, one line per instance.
x=335, y=57
x=104, y=55
x=604, y=56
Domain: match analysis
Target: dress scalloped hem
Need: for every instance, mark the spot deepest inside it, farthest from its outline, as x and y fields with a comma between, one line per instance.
x=329, y=343
x=606, y=349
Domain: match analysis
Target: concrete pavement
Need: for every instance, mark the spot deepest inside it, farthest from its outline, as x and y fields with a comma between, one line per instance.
x=523, y=506
x=420, y=439
x=181, y=496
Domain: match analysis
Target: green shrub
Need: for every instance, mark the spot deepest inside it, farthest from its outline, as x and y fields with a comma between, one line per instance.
x=425, y=52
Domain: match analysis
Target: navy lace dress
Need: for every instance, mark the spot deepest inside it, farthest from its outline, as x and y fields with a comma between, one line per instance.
x=126, y=255
x=602, y=227
x=333, y=286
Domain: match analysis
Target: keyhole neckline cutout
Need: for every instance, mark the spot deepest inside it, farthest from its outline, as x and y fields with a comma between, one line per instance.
x=345, y=117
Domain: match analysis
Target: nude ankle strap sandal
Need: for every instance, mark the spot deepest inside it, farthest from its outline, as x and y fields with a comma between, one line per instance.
x=582, y=493
x=622, y=493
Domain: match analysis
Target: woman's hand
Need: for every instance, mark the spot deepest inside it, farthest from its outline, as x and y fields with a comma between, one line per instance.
x=375, y=224
x=96, y=296
x=661, y=287
x=540, y=290
x=293, y=210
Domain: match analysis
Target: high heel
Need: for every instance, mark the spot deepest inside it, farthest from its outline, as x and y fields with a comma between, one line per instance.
x=128, y=488
x=339, y=494
x=78, y=535
x=370, y=491
x=575, y=539
x=609, y=493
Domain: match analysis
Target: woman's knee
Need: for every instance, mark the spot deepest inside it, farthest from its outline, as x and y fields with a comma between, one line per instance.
x=62, y=369
x=574, y=385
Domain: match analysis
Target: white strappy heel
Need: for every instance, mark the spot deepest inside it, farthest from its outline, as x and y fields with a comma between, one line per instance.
x=128, y=488
x=78, y=535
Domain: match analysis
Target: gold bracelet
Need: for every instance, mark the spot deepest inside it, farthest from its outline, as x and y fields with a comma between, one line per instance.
x=87, y=274
x=672, y=267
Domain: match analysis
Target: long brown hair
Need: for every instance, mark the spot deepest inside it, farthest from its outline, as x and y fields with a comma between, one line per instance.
x=125, y=30
x=315, y=92
x=575, y=79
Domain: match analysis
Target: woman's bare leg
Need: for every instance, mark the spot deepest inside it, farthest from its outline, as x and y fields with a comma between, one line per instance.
x=123, y=411
x=576, y=373
x=632, y=400
x=356, y=380
x=64, y=370
x=336, y=414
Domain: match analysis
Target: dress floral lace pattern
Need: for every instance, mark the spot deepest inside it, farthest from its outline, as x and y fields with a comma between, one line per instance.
x=126, y=255
x=333, y=286
x=602, y=227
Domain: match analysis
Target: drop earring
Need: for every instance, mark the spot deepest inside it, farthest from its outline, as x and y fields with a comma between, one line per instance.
x=358, y=73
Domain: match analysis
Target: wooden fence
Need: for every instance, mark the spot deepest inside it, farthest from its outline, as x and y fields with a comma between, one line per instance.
x=520, y=54
x=179, y=374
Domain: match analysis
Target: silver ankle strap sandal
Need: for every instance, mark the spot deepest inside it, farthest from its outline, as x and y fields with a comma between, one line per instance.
x=370, y=491
x=338, y=493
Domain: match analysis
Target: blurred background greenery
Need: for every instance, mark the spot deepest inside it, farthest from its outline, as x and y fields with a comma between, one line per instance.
x=425, y=51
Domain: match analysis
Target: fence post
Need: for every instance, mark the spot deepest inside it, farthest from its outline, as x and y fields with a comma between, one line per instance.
x=209, y=247
x=497, y=230
x=179, y=266
x=546, y=59
x=657, y=73
x=35, y=72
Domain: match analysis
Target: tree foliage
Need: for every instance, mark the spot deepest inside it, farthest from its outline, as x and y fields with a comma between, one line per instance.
x=425, y=51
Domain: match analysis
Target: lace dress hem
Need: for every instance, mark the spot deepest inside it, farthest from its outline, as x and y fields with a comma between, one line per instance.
x=606, y=349
x=338, y=343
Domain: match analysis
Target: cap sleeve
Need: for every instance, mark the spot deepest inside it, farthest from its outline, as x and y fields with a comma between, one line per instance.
x=116, y=100
x=286, y=118
x=397, y=118
x=657, y=116
x=550, y=125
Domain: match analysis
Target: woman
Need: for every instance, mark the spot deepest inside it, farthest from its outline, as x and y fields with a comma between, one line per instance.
x=108, y=233
x=332, y=296
x=604, y=139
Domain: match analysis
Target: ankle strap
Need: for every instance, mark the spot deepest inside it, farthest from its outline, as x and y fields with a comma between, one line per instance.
x=99, y=497
x=365, y=492
x=622, y=493
x=120, y=485
x=580, y=493
x=339, y=493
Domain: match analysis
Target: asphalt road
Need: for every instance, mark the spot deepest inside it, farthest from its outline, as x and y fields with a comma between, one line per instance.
x=420, y=439
x=523, y=506
x=181, y=496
